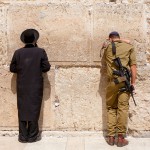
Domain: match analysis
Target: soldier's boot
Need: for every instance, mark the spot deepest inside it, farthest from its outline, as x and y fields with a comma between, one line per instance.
x=121, y=141
x=111, y=140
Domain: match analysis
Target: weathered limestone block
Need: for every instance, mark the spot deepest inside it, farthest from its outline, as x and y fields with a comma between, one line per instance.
x=64, y=29
x=3, y=37
x=81, y=107
x=8, y=99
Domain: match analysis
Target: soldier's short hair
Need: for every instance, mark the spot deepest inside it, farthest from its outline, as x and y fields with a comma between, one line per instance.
x=114, y=34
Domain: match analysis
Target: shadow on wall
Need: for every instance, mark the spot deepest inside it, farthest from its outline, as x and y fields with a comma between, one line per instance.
x=46, y=93
x=112, y=0
x=46, y=96
x=102, y=92
x=13, y=83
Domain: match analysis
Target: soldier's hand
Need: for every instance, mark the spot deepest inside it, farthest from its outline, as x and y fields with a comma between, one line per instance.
x=106, y=43
x=133, y=88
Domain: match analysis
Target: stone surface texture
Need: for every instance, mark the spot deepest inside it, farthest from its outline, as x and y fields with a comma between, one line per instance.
x=72, y=32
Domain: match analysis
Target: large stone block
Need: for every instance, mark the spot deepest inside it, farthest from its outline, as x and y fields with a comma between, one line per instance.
x=8, y=100
x=64, y=29
x=3, y=35
x=82, y=103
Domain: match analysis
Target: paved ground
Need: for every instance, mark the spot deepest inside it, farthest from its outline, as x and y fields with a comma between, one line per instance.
x=71, y=143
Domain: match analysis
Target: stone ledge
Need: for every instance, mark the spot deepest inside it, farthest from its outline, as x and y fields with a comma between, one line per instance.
x=139, y=134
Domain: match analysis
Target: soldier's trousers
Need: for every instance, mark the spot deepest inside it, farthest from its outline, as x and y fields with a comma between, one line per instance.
x=117, y=109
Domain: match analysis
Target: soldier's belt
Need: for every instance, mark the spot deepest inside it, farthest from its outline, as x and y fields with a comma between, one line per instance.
x=119, y=80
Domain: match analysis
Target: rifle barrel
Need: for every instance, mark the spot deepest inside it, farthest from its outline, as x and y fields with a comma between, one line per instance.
x=133, y=99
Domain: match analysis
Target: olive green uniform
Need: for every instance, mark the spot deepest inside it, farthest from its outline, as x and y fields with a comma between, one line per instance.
x=117, y=102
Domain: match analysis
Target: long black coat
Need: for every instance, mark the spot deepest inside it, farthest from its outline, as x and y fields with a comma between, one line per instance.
x=29, y=63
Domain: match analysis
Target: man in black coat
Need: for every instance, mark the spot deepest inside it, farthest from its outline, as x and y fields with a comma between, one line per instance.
x=29, y=63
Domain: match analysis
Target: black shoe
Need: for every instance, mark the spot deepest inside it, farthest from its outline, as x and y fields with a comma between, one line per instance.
x=22, y=141
x=35, y=139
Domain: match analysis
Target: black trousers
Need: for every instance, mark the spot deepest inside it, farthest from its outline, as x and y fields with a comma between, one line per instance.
x=28, y=130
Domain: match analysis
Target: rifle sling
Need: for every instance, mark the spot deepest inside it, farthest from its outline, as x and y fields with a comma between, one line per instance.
x=113, y=48
x=119, y=79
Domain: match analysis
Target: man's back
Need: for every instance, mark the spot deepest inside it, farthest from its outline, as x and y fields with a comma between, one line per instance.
x=29, y=63
x=124, y=51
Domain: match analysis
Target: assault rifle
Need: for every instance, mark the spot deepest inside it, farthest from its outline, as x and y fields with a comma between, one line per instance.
x=123, y=72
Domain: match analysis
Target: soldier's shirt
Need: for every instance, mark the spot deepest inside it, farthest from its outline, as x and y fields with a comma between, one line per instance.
x=126, y=54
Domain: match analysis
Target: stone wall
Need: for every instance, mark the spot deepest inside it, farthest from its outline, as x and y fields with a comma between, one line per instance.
x=72, y=32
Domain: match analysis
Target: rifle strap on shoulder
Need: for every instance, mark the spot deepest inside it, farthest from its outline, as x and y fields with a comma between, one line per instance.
x=113, y=48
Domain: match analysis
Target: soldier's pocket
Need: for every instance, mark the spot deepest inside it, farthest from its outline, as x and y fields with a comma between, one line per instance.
x=110, y=85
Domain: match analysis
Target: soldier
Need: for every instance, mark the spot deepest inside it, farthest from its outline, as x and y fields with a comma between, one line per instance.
x=117, y=102
x=29, y=62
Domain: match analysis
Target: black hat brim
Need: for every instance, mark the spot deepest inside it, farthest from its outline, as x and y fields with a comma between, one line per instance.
x=35, y=32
